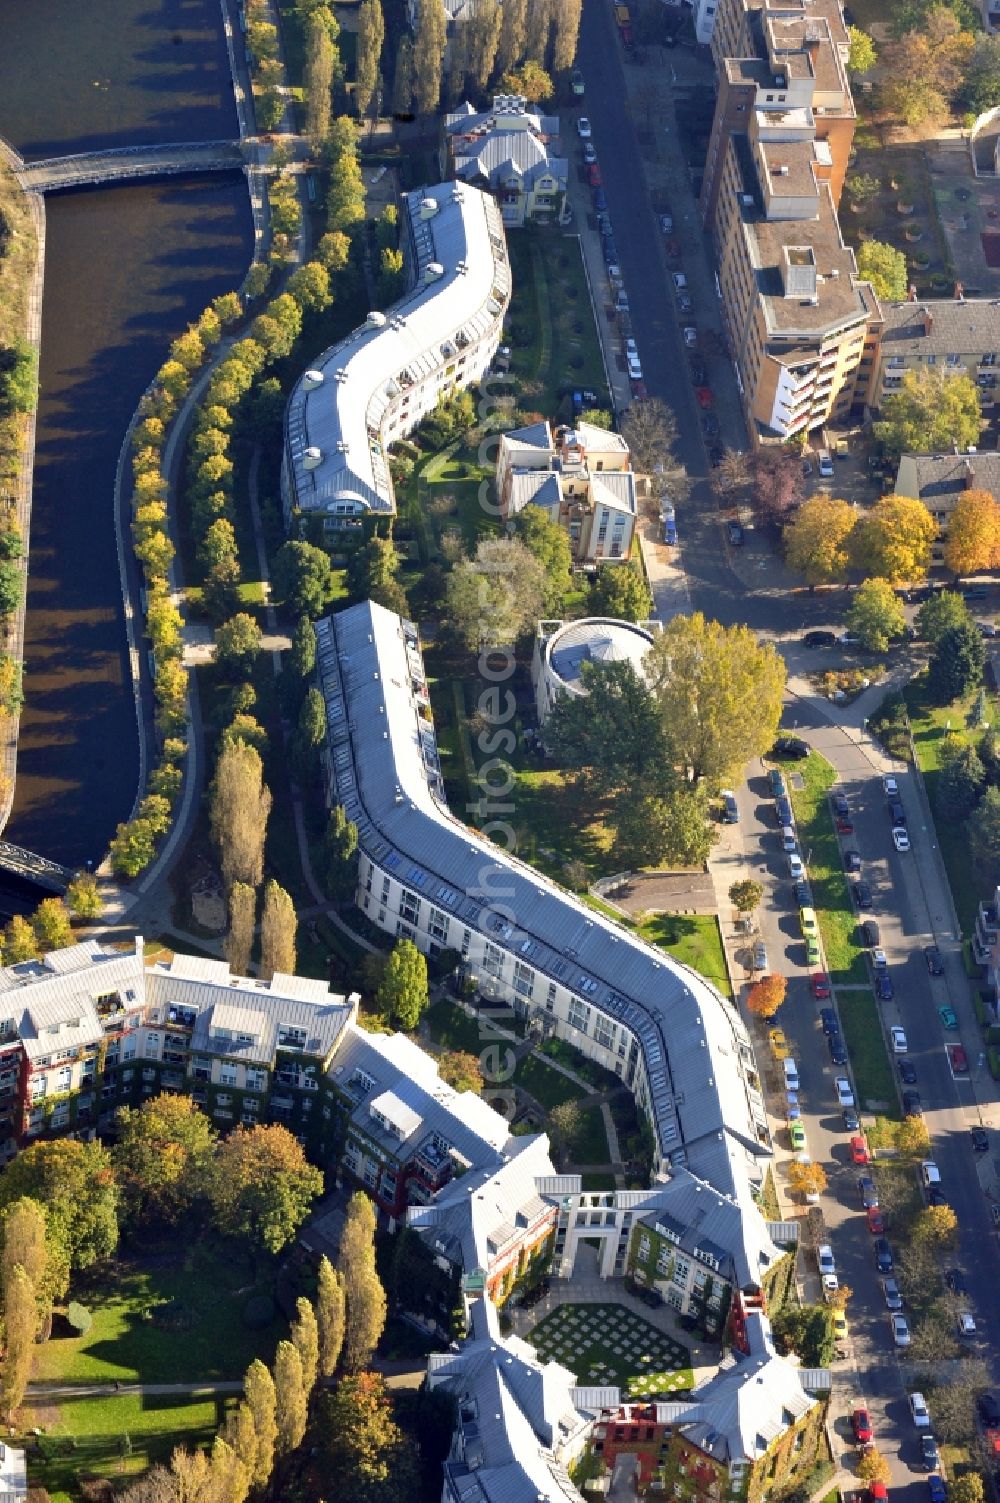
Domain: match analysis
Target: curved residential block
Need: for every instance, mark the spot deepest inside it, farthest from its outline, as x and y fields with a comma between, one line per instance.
x=678, y=1045
x=376, y=385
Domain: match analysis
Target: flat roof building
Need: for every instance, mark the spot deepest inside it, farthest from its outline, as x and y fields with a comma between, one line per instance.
x=380, y=382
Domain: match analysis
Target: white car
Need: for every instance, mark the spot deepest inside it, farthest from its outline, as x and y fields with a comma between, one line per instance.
x=583, y=128
x=900, y=839
x=845, y=1096
x=897, y=1038
x=796, y=869
x=879, y=960
x=890, y=787
x=690, y=336
x=631, y=349
x=900, y=1330
x=634, y=368
x=966, y=1323
x=891, y=1295
x=827, y=1267
x=919, y=1410
x=680, y=281
x=590, y=153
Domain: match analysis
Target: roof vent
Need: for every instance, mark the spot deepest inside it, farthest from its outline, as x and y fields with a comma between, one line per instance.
x=312, y=379
x=312, y=458
x=428, y=208
x=375, y=320
x=433, y=272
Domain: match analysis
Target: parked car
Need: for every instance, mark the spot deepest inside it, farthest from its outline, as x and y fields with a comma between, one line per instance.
x=845, y=1095
x=839, y=1327
x=594, y=173
x=797, y=1134
x=698, y=374
x=897, y=814
x=958, y=1059
x=583, y=128
x=790, y=746
x=734, y=533
x=838, y=1050
x=840, y=804
x=710, y=423
x=949, y=1017
x=867, y=1191
x=601, y=205
x=918, y=1409
x=779, y=1043
x=703, y=396
x=820, y=639
x=897, y=1038
x=937, y=1492
x=852, y=861
x=759, y=956
x=589, y=153
x=859, y=1150
x=862, y=894
x=890, y=787
x=795, y=867
x=900, y=1330
x=929, y=1453
x=900, y=838
x=912, y=1104
x=932, y=959
x=680, y=280
x=883, y=986
x=879, y=960
x=980, y=1140
x=576, y=82
x=965, y=1322
x=875, y=1216
x=828, y=1020
x=955, y=1279
x=891, y=1294
x=684, y=302
x=883, y=1255
x=907, y=1071
x=870, y=930
x=851, y=1119
x=989, y=1410
x=776, y=779
x=783, y=809
x=820, y=984
x=827, y=1268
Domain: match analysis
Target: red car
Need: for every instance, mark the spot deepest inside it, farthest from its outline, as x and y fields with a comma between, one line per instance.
x=876, y=1221
x=844, y=827
x=859, y=1150
x=862, y=1426
x=820, y=985
x=673, y=249
x=959, y=1059
x=594, y=175
x=704, y=395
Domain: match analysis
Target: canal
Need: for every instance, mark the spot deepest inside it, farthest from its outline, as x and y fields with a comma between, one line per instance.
x=126, y=269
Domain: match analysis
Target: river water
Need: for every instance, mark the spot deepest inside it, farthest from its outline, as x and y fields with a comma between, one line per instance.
x=126, y=269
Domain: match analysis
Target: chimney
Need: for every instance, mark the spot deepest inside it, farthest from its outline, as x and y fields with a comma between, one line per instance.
x=968, y=475
x=959, y=293
x=928, y=320
x=911, y=294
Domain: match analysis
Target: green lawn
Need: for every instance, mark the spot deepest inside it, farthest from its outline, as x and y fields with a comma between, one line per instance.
x=931, y=724
x=548, y=1086
x=587, y=1069
x=89, y=1436
x=596, y=1182
x=611, y=1344
x=694, y=939
x=873, y=1076
x=554, y=824
x=452, y=1028
x=590, y=1144
x=553, y=337
x=208, y=1287
x=818, y=842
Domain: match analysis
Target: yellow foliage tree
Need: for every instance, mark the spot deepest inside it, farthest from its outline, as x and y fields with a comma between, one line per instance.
x=816, y=542
x=973, y=538
x=806, y=1179
x=766, y=996
x=894, y=540
x=873, y=1467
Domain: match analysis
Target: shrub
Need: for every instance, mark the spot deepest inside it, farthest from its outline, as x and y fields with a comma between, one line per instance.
x=258, y=1312
x=79, y=1318
x=993, y=1056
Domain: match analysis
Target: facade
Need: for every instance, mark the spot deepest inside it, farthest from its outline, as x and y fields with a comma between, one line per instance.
x=13, y=1475
x=959, y=334
x=524, y=942
x=581, y=476
x=380, y=382
x=938, y=480
x=511, y=151
x=562, y=648
x=795, y=313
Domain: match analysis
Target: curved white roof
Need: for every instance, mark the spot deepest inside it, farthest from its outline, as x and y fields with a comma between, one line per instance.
x=457, y=261
x=595, y=639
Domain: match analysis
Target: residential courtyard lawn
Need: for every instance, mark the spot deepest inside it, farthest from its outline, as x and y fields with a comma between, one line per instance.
x=547, y=1086
x=201, y=1292
x=552, y=826
x=606, y=1344
x=590, y=1144
x=818, y=842
x=451, y=1027
x=692, y=938
x=111, y=1437
x=553, y=338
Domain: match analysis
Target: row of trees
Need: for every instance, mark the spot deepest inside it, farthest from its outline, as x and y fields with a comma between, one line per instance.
x=662, y=745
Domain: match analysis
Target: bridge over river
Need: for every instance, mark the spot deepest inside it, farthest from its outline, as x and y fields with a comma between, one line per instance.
x=119, y=164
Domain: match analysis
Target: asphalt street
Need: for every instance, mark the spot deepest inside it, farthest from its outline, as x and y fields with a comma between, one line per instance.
x=911, y=899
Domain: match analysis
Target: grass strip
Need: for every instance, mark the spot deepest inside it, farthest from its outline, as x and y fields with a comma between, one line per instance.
x=818, y=841
x=873, y=1078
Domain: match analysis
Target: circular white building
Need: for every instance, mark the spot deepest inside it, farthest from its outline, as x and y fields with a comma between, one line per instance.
x=562, y=648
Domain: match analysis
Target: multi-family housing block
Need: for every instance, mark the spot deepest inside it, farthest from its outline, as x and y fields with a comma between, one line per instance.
x=939, y=481
x=581, y=477
x=511, y=151
x=958, y=334
x=376, y=385
x=562, y=648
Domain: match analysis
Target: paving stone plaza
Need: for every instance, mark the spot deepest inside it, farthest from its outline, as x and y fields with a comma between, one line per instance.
x=605, y=1344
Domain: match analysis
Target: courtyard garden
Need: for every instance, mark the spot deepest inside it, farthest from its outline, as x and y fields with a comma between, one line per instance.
x=610, y=1344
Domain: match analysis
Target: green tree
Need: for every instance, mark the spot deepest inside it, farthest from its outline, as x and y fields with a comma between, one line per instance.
x=75, y=1184
x=345, y=202
x=984, y=838
x=262, y=1186
x=969, y=1488
x=132, y=848
x=956, y=664
x=218, y=544
x=162, y=1159
x=237, y=644
x=305, y=1339
x=403, y=995
x=817, y=540
x=277, y=933
x=428, y=56
x=862, y=55
x=885, y=267
x=981, y=83
x=310, y=287
x=363, y=1447
x=19, y=941
x=960, y=784
x=302, y=656
x=239, y=804
x=621, y=592
x=340, y=861
x=310, y=734
x=402, y=79
x=258, y=1389
x=292, y=1410
x=461, y=1070
x=238, y=943
x=320, y=70
x=334, y=251
x=893, y=541
x=746, y=895
x=18, y=377
x=11, y=587
x=941, y=611
x=330, y=1316
x=932, y=413
x=719, y=694
x=549, y=543
x=530, y=80
x=220, y=594
x=366, y=1306
x=612, y=733
x=51, y=923
x=302, y=578
x=20, y=1320
x=371, y=36
x=493, y=598
x=876, y=615
x=664, y=827
x=26, y=1245
x=84, y=896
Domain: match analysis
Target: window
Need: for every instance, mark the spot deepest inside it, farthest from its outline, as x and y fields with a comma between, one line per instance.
x=663, y=1261
x=466, y=943
x=437, y=923
x=645, y=1246
x=604, y=1032
x=64, y=1078
x=493, y=959
x=682, y=1270
x=227, y=1075
x=953, y=362
x=524, y=978
x=550, y=998
x=579, y=1015
x=150, y=1046
x=409, y=906
x=385, y=889
x=256, y=1080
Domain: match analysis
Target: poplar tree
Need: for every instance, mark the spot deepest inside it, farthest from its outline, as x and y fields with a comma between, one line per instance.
x=428, y=56
x=566, y=16
x=402, y=79
x=330, y=1317
x=239, y=940
x=538, y=29
x=483, y=29
x=305, y=1339
x=277, y=932
x=239, y=804
x=259, y=1391
x=20, y=1316
x=513, y=35
x=290, y=1392
x=241, y=1436
x=321, y=60
x=371, y=37
x=366, y=1307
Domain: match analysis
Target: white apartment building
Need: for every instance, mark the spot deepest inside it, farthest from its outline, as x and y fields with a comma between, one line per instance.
x=678, y=1045
x=581, y=477
x=380, y=382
